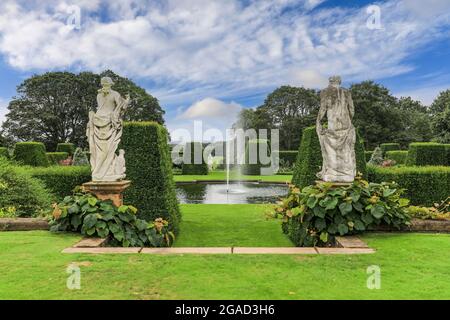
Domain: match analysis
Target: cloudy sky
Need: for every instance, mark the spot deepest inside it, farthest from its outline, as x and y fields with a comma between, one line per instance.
x=207, y=59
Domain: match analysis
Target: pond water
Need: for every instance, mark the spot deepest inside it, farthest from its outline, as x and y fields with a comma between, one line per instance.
x=239, y=193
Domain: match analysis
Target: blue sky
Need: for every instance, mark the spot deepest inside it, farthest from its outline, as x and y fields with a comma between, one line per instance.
x=206, y=59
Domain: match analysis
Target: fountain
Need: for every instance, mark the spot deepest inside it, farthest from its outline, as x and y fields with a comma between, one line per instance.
x=230, y=143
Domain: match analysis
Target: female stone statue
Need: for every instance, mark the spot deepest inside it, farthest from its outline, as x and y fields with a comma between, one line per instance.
x=104, y=132
x=337, y=141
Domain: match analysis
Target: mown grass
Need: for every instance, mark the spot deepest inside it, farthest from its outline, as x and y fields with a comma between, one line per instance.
x=413, y=266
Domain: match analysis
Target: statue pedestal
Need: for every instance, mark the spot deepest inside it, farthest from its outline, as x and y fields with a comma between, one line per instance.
x=335, y=184
x=108, y=190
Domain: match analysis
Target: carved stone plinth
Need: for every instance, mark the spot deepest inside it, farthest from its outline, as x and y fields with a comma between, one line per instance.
x=335, y=184
x=111, y=190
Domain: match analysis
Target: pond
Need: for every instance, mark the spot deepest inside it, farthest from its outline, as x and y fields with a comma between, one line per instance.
x=239, y=193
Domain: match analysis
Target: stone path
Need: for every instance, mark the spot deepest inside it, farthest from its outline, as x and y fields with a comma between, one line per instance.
x=348, y=245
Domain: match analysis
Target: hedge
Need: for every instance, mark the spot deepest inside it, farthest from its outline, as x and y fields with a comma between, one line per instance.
x=21, y=193
x=426, y=154
x=398, y=156
x=309, y=160
x=55, y=157
x=425, y=185
x=447, y=153
x=66, y=147
x=385, y=147
x=31, y=153
x=368, y=155
x=61, y=180
x=254, y=169
x=149, y=167
x=4, y=152
x=189, y=164
x=288, y=156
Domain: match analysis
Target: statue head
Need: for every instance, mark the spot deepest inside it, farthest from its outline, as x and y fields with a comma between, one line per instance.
x=335, y=81
x=106, y=82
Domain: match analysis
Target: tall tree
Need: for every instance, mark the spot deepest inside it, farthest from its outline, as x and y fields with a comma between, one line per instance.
x=415, y=122
x=53, y=107
x=440, y=110
x=376, y=114
x=290, y=109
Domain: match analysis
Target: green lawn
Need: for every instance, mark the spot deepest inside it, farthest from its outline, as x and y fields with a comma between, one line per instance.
x=222, y=175
x=230, y=225
x=413, y=266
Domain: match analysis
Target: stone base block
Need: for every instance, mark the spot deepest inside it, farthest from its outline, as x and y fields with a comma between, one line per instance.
x=110, y=190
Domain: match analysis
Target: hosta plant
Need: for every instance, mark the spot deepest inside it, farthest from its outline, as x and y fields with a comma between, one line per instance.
x=314, y=215
x=84, y=213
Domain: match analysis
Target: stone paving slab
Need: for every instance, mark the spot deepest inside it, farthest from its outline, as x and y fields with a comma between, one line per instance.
x=188, y=250
x=102, y=250
x=91, y=243
x=288, y=250
x=345, y=250
x=351, y=242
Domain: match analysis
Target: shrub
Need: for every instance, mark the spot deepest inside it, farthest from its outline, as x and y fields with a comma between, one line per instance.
x=309, y=160
x=424, y=185
x=149, y=168
x=66, y=147
x=252, y=167
x=425, y=213
x=377, y=157
x=314, y=215
x=55, y=157
x=191, y=165
x=85, y=213
x=80, y=158
x=61, y=180
x=447, y=153
x=20, y=194
x=368, y=155
x=398, y=156
x=31, y=153
x=288, y=156
x=426, y=154
x=4, y=152
x=385, y=147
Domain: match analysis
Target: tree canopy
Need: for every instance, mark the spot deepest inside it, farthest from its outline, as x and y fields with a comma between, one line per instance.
x=53, y=107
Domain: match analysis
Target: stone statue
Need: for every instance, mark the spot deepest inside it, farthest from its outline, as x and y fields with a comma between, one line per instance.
x=104, y=131
x=337, y=140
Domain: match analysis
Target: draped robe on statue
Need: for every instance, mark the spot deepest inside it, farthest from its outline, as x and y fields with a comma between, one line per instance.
x=104, y=132
x=337, y=141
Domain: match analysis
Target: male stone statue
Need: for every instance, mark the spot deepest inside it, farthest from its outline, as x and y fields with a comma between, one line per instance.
x=337, y=140
x=104, y=132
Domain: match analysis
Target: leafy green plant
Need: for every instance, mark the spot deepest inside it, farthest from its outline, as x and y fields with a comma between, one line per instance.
x=84, y=213
x=425, y=213
x=31, y=153
x=54, y=158
x=314, y=215
x=66, y=147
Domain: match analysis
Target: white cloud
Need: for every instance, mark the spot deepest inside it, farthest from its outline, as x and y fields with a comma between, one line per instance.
x=210, y=108
x=3, y=110
x=193, y=49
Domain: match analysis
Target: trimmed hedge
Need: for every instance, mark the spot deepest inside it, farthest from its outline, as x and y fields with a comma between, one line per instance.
x=426, y=154
x=288, y=156
x=385, y=147
x=447, y=153
x=189, y=165
x=21, y=193
x=66, y=147
x=309, y=160
x=61, y=180
x=368, y=155
x=4, y=152
x=149, y=167
x=425, y=185
x=254, y=169
x=55, y=157
x=31, y=153
x=398, y=156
